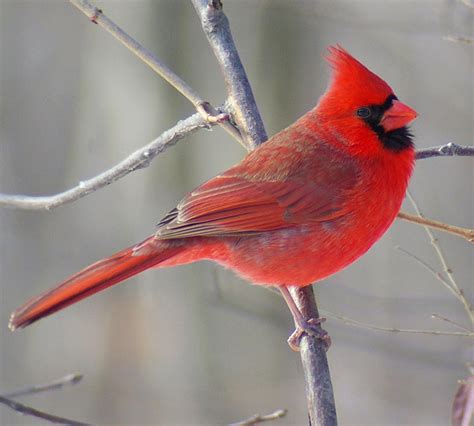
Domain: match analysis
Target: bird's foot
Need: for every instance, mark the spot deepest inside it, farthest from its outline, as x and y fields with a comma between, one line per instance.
x=311, y=327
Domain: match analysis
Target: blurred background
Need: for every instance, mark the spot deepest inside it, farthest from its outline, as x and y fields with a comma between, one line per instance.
x=195, y=344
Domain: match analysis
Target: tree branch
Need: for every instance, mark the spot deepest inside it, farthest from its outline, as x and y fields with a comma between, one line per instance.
x=245, y=112
x=259, y=418
x=319, y=392
x=437, y=275
x=68, y=380
x=137, y=160
x=29, y=411
x=465, y=233
x=203, y=107
x=448, y=150
x=447, y=270
x=356, y=323
x=142, y=158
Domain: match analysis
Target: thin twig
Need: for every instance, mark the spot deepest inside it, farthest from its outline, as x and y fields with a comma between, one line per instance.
x=459, y=39
x=356, y=323
x=137, y=160
x=244, y=108
x=450, y=321
x=258, y=418
x=431, y=270
x=203, y=107
x=467, y=234
x=70, y=379
x=446, y=268
x=29, y=411
x=448, y=150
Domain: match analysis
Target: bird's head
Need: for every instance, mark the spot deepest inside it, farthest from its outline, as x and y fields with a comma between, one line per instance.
x=357, y=98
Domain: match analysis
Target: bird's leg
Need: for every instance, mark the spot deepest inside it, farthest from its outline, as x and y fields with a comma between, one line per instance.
x=310, y=326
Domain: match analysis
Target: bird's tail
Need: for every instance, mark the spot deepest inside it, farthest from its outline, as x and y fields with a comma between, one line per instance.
x=93, y=279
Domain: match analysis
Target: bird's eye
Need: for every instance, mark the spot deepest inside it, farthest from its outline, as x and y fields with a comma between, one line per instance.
x=364, y=112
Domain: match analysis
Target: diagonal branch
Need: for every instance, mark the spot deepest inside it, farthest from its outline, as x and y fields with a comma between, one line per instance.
x=142, y=158
x=68, y=380
x=259, y=418
x=29, y=411
x=447, y=270
x=245, y=112
x=319, y=392
x=137, y=160
x=97, y=16
x=467, y=234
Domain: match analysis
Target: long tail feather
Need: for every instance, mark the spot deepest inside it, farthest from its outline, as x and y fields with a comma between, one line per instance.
x=92, y=279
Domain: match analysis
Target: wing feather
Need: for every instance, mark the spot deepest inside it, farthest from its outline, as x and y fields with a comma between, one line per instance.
x=239, y=202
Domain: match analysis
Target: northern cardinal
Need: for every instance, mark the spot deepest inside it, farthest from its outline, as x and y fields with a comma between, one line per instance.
x=300, y=207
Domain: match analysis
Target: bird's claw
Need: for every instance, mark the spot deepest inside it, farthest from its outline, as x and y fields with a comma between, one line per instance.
x=312, y=327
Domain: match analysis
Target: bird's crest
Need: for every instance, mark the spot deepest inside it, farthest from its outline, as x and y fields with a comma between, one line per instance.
x=352, y=81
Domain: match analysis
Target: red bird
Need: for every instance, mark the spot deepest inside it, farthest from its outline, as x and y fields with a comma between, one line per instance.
x=299, y=208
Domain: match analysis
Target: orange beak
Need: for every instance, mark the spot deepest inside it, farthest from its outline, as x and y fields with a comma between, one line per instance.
x=398, y=115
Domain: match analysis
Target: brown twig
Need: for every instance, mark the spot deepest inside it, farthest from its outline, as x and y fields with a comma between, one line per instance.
x=258, y=418
x=467, y=234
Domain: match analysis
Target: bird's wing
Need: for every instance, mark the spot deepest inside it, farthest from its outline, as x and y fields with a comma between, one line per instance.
x=236, y=203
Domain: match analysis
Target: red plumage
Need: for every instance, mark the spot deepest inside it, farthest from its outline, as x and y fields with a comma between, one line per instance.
x=302, y=206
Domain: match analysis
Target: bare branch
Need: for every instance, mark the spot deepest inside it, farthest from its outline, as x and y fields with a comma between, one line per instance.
x=258, y=418
x=431, y=270
x=448, y=271
x=97, y=16
x=142, y=158
x=450, y=321
x=448, y=150
x=356, y=323
x=28, y=411
x=137, y=160
x=68, y=380
x=319, y=392
x=465, y=233
x=459, y=39
x=463, y=404
x=245, y=112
